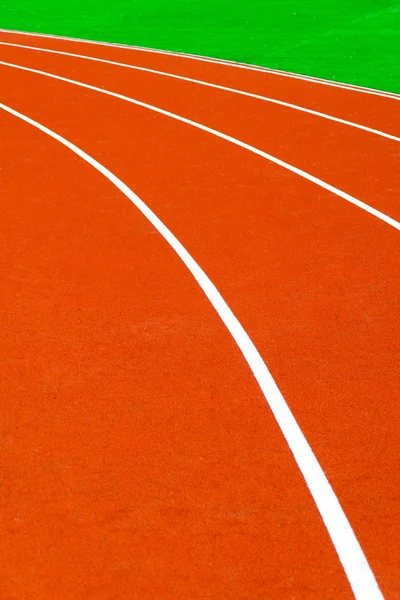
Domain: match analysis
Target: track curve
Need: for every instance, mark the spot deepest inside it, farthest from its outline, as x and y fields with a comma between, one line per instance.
x=202, y=189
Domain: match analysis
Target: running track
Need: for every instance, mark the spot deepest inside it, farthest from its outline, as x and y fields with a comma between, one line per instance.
x=140, y=458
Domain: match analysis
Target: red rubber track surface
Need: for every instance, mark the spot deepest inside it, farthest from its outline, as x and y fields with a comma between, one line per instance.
x=140, y=459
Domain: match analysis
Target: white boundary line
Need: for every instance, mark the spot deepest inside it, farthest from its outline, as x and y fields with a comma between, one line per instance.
x=228, y=138
x=351, y=556
x=229, y=63
x=211, y=85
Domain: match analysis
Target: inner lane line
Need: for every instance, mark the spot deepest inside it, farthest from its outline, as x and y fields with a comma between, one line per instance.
x=224, y=62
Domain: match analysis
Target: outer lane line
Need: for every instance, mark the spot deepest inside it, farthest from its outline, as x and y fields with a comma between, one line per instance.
x=211, y=85
x=351, y=556
x=326, y=186
x=229, y=63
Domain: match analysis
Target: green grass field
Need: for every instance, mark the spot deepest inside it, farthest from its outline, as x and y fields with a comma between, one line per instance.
x=355, y=41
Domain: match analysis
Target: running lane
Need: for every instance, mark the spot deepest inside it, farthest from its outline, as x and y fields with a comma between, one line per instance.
x=139, y=458
x=311, y=279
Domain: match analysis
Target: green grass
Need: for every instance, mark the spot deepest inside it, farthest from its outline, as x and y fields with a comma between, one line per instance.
x=355, y=41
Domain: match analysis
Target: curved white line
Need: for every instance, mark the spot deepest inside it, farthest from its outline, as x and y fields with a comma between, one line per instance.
x=354, y=562
x=228, y=138
x=211, y=85
x=218, y=61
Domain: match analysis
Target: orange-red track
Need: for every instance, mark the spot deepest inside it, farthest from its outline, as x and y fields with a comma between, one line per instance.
x=139, y=458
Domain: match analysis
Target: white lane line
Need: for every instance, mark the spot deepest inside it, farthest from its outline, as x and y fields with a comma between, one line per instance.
x=218, y=61
x=228, y=138
x=211, y=85
x=351, y=556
